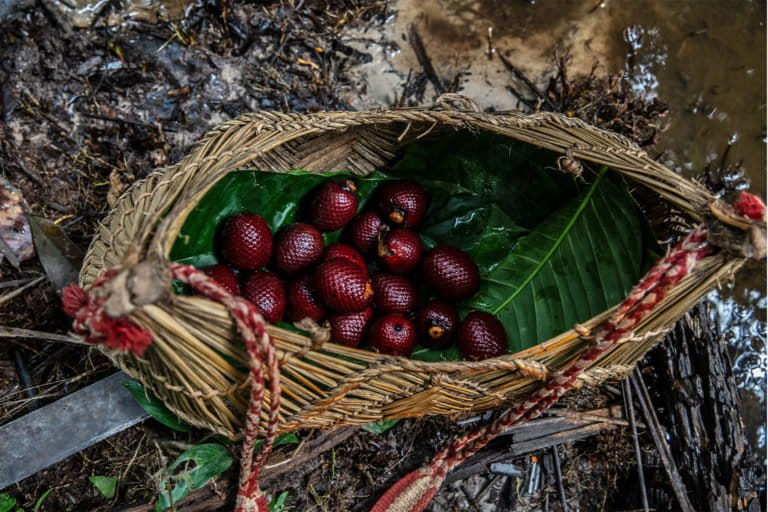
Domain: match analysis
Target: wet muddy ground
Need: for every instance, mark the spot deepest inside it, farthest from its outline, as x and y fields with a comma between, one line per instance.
x=85, y=111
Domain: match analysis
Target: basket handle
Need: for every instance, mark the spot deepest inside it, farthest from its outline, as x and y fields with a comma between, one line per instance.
x=458, y=102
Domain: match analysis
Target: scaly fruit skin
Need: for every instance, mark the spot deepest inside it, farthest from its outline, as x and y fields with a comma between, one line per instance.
x=303, y=301
x=265, y=290
x=402, y=202
x=349, y=328
x=481, y=336
x=400, y=250
x=345, y=252
x=247, y=241
x=333, y=204
x=393, y=334
x=364, y=231
x=343, y=286
x=437, y=321
x=393, y=293
x=298, y=246
x=450, y=273
x=224, y=275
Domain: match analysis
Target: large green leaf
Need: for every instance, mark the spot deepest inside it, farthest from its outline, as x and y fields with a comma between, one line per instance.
x=516, y=177
x=582, y=259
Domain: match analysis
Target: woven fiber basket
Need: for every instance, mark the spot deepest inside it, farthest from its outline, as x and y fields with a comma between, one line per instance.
x=197, y=364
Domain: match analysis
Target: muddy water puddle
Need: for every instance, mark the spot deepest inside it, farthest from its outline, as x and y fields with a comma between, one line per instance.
x=706, y=59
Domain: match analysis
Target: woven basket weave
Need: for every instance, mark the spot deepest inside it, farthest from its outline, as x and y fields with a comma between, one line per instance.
x=197, y=365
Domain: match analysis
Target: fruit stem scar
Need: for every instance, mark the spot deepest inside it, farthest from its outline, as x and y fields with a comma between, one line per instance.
x=584, y=202
x=435, y=331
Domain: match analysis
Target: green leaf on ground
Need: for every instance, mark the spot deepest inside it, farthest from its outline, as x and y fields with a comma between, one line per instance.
x=7, y=502
x=154, y=406
x=379, y=427
x=208, y=460
x=278, y=502
x=41, y=499
x=106, y=485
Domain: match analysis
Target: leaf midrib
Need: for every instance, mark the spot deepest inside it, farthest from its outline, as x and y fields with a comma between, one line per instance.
x=557, y=243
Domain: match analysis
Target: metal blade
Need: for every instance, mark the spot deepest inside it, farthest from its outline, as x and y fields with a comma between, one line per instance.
x=54, y=432
x=60, y=257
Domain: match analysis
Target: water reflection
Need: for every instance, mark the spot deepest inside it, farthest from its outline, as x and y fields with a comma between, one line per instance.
x=743, y=326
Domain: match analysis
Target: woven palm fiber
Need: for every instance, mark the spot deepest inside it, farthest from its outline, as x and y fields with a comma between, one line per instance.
x=196, y=362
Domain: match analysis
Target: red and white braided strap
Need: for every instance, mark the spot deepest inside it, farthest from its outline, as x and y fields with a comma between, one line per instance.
x=92, y=322
x=415, y=490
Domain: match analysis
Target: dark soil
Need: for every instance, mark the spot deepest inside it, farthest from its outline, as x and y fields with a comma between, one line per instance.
x=85, y=112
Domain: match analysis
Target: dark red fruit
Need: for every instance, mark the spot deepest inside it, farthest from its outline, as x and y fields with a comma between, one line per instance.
x=364, y=231
x=345, y=252
x=437, y=321
x=265, y=290
x=303, y=301
x=343, y=286
x=400, y=250
x=402, y=202
x=393, y=293
x=298, y=246
x=393, y=334
x=223, y=275
x=349, y=328
x=481, y=336
x=247, y=241
x=333, y=204
x=450, y=273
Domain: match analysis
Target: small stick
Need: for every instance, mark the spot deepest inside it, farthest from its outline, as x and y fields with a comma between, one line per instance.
x=25, y=377
x=638, y=456
x=421, y=54
x=661, y=442
x=510, y=67
x=559, y=475
x=18, y=291
x=15, y=282
x=15, y=332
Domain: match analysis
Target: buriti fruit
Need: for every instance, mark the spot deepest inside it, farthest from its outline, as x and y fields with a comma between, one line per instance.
x=393, y=334
x=364, y=231
x=297, y=247
x=247, y=241
x=481, y=336
x=345, y=252
x=303, y=301
x=400, y=250
x=402, y=202
x=393, y=293
x=224, y=275
x=343, y=286
x=349, y=328
x=450, y=273
x=436, y=322
x=265, y=290
x=333, y=204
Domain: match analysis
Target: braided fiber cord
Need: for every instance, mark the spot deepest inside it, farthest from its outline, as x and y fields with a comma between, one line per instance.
x=91, y=322
x=415, y=490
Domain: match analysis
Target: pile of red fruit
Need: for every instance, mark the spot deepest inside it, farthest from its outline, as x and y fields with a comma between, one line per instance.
x=364, y=288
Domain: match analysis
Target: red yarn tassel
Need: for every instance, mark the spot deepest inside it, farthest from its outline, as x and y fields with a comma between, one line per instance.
x=73, y=298
x=750, y=206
